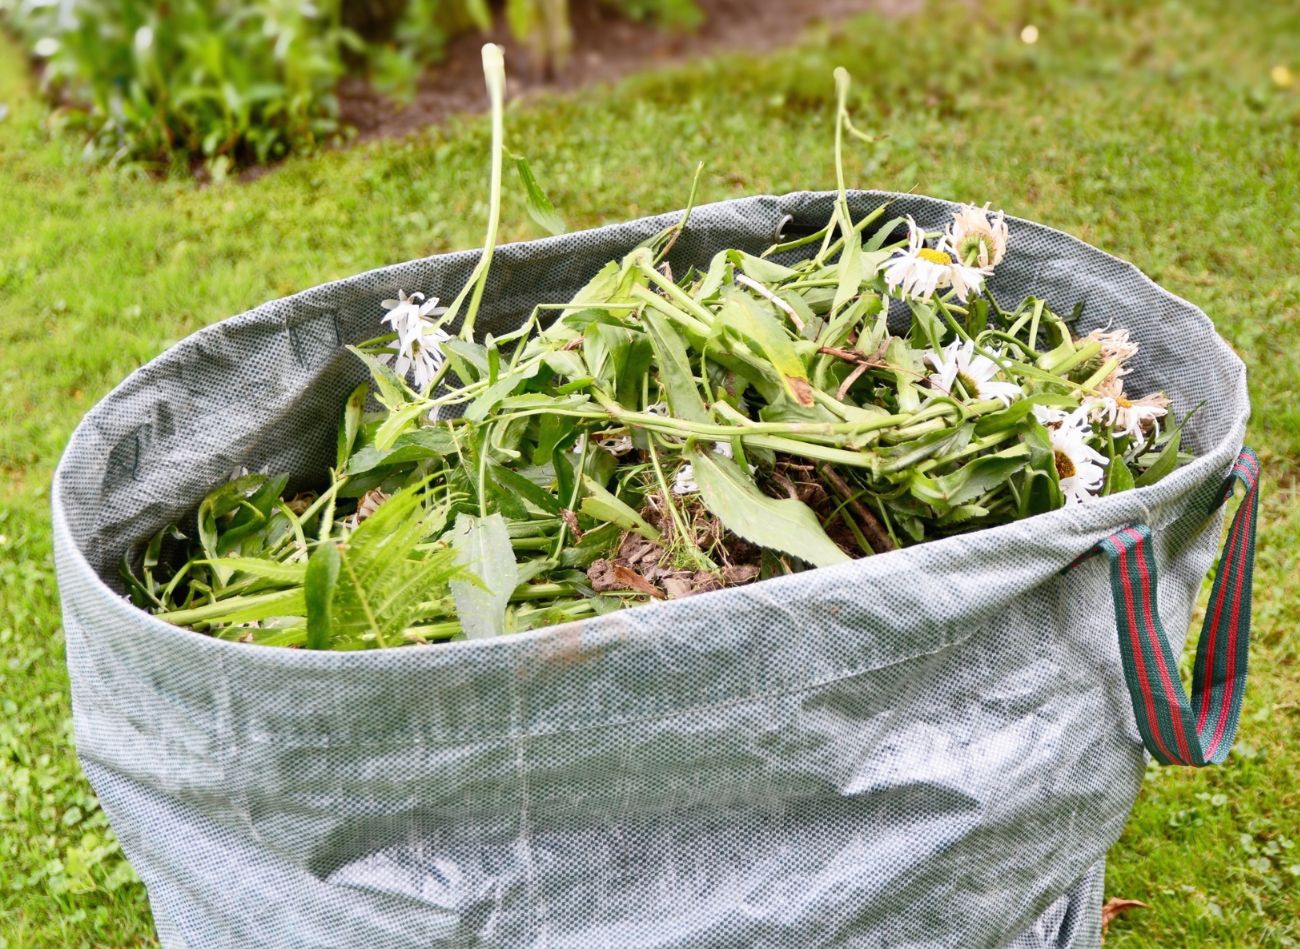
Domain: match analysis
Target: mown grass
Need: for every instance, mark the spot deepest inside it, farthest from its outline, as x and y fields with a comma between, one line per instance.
x=1151, y=130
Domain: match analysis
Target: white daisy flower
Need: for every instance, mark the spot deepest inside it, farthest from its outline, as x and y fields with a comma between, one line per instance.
x=419, y=341
x=921, y=271
x=1079, y=466
x=977, y=239
x=1132, y=417
x=407, y=314
x=960, y=363
x=967, y=281
x=423, y=355
x=1115, y=344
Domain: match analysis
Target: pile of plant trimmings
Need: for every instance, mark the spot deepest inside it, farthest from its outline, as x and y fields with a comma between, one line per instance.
x=662, y=435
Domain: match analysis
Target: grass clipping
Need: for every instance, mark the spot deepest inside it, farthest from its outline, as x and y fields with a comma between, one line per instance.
x=848, y=392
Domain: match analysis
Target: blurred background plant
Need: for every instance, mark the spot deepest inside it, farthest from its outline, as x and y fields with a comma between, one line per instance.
x=224, y=84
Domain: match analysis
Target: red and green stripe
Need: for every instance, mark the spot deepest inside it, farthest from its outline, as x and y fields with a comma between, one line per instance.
x=1178, y=730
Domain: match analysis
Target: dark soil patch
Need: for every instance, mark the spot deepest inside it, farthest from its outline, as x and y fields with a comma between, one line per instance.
x=605, y=47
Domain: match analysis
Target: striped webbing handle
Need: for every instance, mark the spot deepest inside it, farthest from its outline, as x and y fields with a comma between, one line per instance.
x=1177, y=730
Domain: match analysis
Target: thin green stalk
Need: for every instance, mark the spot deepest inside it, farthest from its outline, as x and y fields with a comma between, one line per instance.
x=1081, y=355
x=494, y=73
x=859, y=227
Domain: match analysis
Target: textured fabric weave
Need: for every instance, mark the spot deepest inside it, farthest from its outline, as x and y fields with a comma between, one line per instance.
x=931, y=747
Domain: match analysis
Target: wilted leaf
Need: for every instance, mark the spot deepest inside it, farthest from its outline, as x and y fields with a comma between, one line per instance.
x=608, y=576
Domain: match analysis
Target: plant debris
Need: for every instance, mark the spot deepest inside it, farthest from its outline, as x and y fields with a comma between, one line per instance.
x=842, y=395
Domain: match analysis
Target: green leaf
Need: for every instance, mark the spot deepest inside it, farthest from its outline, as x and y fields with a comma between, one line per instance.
x=605, y=506
x=1167, y=460
x=418, y=445
x=512, y=482
x=754, y=321
x=396, y=423
x=241, y=609
x=501, y=389
x=539, y=205
x=1011, y=416
x=850, y=265
x=715, y=276
x=351, y=424
x=764, y=271
x=392, y=390
x=941, y=442
x=319, y=583
x=482, y=546
x=674, y=368
x=1118, y=476
x=259, y=567
x=786, y=525
x=971, y=481
x=383, y=579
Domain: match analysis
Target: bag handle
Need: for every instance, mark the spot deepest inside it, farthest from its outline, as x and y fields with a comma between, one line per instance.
x=1175, y=730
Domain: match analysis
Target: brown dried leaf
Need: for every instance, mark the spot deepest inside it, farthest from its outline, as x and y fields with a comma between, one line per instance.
x=607, y=576
x=1114, y=906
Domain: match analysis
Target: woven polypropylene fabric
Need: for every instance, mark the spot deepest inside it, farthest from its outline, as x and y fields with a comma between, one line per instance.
x=932, y=746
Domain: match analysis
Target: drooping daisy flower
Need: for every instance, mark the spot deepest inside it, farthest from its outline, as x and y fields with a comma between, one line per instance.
x=921, y=271
x=1079, y=466
x=959, y=363
x=1132, y=417
x=1115, y=344
x=423, y=355
x=419, y=340
x=978, y=239
x=406, y=314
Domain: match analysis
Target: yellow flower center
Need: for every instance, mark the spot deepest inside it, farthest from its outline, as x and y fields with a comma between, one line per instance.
x=1064, y=466
x=934, y=256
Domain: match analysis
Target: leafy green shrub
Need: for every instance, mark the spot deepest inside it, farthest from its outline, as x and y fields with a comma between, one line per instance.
x=192, y=80
x=228, y=83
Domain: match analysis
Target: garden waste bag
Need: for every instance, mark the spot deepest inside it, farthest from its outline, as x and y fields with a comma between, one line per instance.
x=933, y=746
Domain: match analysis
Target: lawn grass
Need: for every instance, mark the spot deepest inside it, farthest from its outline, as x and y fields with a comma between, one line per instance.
x=1151, y=130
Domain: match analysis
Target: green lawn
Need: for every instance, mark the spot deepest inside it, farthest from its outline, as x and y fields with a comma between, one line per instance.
x=1151, y=130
